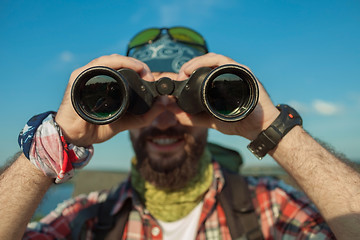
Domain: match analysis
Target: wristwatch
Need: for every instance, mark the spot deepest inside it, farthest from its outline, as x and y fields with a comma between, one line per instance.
x=270, y=137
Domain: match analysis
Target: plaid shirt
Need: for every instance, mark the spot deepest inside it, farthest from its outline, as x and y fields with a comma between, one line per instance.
x=283, y=212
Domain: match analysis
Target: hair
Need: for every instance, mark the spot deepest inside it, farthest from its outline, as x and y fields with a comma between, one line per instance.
x=170, y=172
x=9, y=162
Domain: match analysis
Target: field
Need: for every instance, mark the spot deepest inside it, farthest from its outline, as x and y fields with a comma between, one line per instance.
x=86, y=181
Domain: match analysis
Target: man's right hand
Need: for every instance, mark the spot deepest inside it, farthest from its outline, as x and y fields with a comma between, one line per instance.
x=81, y=133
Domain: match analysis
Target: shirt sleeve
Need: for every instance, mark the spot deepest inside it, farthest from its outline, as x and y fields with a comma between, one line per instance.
x=56, y=225
x=285, y=212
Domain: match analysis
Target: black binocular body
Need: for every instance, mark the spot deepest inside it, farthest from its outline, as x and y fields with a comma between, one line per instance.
x=101, y=95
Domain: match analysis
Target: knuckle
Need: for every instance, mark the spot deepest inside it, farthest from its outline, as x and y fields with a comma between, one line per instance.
x=211, y=54
x=115, y=55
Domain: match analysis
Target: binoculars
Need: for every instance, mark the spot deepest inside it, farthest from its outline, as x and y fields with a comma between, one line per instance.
x=101, y=95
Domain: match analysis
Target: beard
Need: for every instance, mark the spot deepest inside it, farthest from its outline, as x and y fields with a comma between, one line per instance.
x=167, y=171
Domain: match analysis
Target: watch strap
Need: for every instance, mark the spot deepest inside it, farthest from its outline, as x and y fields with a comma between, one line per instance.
x=270, y=137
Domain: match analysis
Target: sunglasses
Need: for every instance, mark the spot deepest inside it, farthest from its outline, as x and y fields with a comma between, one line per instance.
x=177, y=34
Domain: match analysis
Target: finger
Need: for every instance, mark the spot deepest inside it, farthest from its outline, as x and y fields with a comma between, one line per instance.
x=146, y=73
x=116, y=61
x=208, y=60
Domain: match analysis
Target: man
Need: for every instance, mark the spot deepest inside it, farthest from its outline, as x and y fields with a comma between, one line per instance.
x=175, y=184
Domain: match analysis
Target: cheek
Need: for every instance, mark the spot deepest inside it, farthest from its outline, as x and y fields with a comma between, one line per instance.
x=134, y=135
x=200, y=134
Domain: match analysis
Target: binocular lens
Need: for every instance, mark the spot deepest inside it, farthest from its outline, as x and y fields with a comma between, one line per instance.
x=101, y=96
x=230, y=92
x=227, y=94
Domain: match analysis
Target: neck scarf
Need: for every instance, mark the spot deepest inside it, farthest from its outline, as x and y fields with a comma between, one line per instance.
x=171, y=205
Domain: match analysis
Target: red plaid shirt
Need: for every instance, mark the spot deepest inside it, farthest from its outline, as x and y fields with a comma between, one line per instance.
x=283, y=212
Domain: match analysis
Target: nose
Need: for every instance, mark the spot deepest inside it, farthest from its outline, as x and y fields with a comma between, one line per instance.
x=167, y=118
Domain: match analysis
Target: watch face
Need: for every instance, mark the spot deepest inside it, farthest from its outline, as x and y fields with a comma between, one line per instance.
x=287, y=119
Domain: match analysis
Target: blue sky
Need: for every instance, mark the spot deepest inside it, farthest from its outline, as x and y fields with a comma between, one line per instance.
x=306, y=53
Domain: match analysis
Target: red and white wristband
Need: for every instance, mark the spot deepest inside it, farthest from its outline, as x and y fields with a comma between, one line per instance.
x=44, y=145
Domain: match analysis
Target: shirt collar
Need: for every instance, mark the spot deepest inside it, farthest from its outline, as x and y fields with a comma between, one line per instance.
x=127, y=191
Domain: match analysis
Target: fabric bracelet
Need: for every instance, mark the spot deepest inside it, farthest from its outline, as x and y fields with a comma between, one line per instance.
x=44, y=145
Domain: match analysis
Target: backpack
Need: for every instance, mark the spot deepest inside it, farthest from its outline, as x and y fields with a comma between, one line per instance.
x=235, y=199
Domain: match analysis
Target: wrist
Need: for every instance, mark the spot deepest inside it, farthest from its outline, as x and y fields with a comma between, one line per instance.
x=269, y=138
x=44, y=145
x=271, y=117
x=262, y=122
x=70, y=130
x=287, y=143
x=33, y=173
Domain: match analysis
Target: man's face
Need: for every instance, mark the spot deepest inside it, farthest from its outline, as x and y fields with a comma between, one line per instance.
x=168, y=152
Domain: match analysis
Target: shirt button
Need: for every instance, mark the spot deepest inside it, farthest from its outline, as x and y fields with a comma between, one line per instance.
x=155, y=231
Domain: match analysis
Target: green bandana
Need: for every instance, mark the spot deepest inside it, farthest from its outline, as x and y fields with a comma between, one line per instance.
x=171, y=205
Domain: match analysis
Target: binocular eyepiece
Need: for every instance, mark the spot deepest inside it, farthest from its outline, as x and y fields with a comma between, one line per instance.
x=101, y=95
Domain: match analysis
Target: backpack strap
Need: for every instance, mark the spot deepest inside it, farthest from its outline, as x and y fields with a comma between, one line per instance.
x=235, y=199
x=78, y=224
x=102, y=211
x=227, y=158
x=107, y=222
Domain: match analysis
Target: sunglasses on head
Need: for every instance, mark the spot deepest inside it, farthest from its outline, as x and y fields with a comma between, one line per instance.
x=178, y=34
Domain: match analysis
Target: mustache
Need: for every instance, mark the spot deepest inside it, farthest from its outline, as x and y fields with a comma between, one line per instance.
x=167, y=171
x=170, y=132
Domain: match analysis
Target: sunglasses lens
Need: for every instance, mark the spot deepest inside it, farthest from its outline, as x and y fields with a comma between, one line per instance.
x=186, y=35
x=144, y=37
